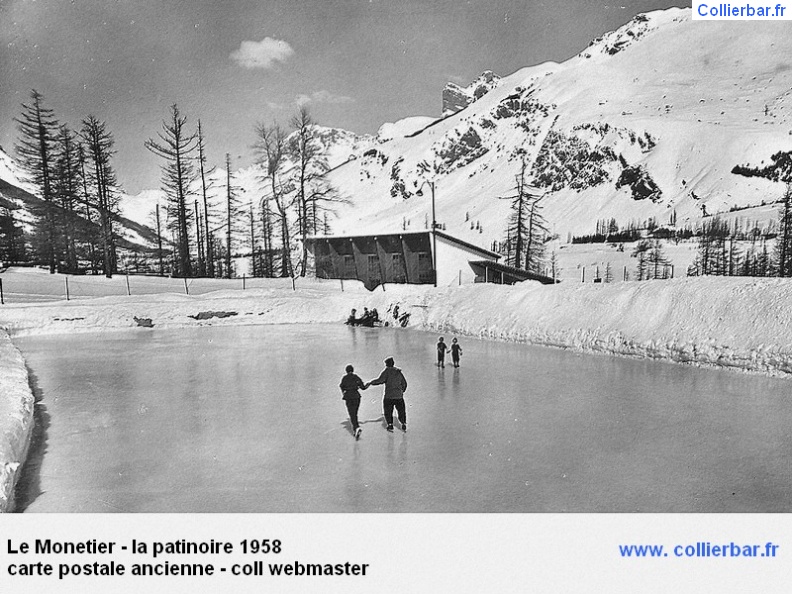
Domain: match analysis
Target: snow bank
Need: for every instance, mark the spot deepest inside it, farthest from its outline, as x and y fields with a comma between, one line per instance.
x=739, y=323
x=742, y=323
x=726, y=322
x=16, y=418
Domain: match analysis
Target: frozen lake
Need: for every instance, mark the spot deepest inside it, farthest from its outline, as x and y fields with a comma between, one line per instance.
x=250, y=419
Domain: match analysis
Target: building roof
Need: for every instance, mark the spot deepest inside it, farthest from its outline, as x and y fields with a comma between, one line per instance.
x=443, y=234
x=517, y=273
x=468, y=245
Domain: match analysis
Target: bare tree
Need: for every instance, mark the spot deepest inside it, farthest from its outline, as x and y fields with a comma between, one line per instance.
x=206, y=185
x=270, y=149
x=232, y=214
x=315, y=196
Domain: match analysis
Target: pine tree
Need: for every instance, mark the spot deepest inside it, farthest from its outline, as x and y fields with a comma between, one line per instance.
x=35, y=150
x=104, y=188
x=783, y=246
x=608, y=278
x=12, y=244
x=90, y=232
x=176, y=145
x=527, y=229
x=67, y=185
x=656, y=259
x=641, y=251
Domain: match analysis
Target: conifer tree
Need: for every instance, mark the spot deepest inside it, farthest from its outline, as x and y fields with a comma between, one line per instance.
x=103, y=185
x=12, y=244
x=35, y=150
x=783, y=246
x=641, y=251
x=67, y=191
x=176, y=146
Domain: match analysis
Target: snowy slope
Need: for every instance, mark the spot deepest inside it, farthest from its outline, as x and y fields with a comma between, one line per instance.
x=683, y=101
x=17, y=194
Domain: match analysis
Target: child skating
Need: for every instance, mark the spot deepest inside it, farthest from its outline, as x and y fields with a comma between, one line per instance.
x=442, y=347
x=456, y=352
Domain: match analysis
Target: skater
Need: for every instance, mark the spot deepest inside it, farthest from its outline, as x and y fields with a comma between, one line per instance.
x=456, y=352
x=352, y=319
x=350, y=384
x=395, y=386
x=442, y=347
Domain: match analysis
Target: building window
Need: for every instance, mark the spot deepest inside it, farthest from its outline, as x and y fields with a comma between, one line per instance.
x=324, y=267
x=373, y=268
x=349, y=270
x=425, y=271
x=399, y=272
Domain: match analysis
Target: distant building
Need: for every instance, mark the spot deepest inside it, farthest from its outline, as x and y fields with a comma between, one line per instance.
x=405, y=257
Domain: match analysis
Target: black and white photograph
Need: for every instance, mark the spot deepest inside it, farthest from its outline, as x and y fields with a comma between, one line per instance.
x=395, y=257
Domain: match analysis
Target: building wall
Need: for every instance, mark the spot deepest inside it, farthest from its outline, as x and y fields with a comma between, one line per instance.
x=452, y=263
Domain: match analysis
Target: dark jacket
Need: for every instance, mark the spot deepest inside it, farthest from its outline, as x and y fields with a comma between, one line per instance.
x=350, y=384
x=395, y=384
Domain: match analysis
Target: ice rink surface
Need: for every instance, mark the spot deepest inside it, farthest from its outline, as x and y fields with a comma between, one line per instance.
x=250, y=419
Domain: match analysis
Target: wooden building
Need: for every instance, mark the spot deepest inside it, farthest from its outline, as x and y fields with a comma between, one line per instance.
x=415, y=257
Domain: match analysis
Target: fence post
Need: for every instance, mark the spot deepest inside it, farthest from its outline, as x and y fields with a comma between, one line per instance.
x=243, y=282
x=129, y=291
x=584, y=274
x=342, y=285
x=2, y=299
x=186, y=289
x=460, y=278
x=625, y=273
x=66, y=278
x=294, y=286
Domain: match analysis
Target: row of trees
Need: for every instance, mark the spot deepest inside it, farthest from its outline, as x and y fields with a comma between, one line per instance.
x=202, y=227
x=294, y=200
x=78, y=191
x=722, y=252
x=526, y=230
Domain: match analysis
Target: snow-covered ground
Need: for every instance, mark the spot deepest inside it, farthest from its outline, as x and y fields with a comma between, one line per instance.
x=741, y=323
x=16, y=418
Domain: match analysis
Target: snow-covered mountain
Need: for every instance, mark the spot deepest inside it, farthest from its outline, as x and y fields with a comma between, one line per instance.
x=20, y=197
x=647, y=121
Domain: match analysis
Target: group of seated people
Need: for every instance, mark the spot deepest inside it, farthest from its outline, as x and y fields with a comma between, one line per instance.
x=369, y=318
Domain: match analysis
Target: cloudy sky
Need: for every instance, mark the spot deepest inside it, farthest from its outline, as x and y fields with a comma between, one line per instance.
x=235, y=63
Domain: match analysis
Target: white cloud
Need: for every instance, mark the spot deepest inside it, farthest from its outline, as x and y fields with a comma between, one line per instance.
x=322, y=97
x=262, y=54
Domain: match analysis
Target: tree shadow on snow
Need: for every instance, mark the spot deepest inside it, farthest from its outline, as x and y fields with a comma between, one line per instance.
x=28, y=487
